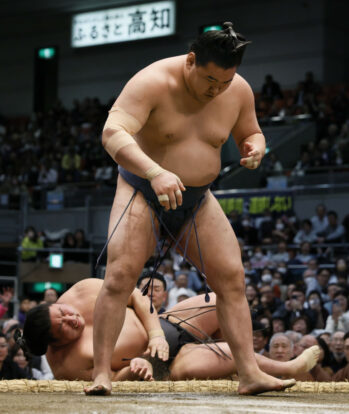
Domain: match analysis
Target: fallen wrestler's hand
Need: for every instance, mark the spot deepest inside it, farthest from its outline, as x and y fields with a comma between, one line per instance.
x=167, y=186
x=251, y=156
x=142, y=368
x=157, y=345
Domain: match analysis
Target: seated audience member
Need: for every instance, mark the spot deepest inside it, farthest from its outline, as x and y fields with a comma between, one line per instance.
x=339, y=319
x=31, y=241
x=305, y=253
x=269, y=302
x=48, y=175
x=9, y=370
x=332, y=289
x=104, y=173
x=181, y=282
x=319, y=283
x=24, y=307
x=260, y=338
x=341, y=272
x=294, y=308
x=305, y=234
x=265, y=226
x=35, y=367
x=183, y=294
x=69, y=243
x=338, y=360
x=334, y=232
x=6, y=295
x=319, y=221
x=271, y=89
x=81, y=243
x=295, y=337
x=315, y=303
x=194, y=282
x=156, y=289
x=278, y=325
x=50, y=295
x=281, y=255
x=301, y=324
x=259, y=259
x=251, y=275
x=280, y=347
x=343, y=373
x=248, y=232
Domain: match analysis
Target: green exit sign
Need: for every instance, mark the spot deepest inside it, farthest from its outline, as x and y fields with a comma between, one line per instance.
x=47, y=53
x=211, y=27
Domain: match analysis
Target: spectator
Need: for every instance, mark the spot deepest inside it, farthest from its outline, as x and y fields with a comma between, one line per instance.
x=338, y=360
x=281, y=255
x=280, y=348
x=6, y=295
x=259, y=259
x=69, y=243
x=319, y=283
x=157, y=289
x=81, y=243
x=305, y=234
x=320, y=220
x=301, y=324
x=24, y=307
x=31, y=240
x=50, y=295
x=334, y=232
x=9, y=370
x=271, y=89
x=181, y=282
x=341, y=271
x=304, y=256
x=343, y=373
x=260, y=338
x=104, y=173
x=315, y=303
x=248, y=232
x=278, y=325
x=71, y=163
x=339, y=319
x=295, y=338
x=48, y=175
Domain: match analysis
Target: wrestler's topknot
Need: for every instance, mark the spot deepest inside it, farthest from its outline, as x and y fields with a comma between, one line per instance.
x=223, y=47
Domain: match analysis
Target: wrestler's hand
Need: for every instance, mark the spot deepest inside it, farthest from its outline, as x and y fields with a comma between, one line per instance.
x=168, y=187
x=142, y=368
x=158, y=345
x=251, y=156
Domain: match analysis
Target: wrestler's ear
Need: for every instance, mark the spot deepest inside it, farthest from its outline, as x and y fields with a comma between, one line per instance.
x=191, y=58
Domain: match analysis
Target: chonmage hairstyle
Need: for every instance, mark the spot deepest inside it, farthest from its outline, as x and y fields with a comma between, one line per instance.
x=37, y=327
x=223, y=47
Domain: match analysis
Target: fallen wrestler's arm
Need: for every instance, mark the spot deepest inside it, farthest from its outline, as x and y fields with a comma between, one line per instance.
x=157, y=343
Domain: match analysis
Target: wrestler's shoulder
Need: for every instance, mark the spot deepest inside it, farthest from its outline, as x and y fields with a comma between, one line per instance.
x=241, y=84
x=160, y=72
x=82, y=287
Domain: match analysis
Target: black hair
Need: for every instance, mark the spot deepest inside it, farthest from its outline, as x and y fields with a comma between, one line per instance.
x=223, y=47
x=346, y=336
x=327, y=353
x=147, y=274
x=37, y=329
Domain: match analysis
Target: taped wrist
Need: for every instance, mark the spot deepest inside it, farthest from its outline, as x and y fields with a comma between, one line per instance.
x=120, y=126
x=154, y=172
x=156, y=333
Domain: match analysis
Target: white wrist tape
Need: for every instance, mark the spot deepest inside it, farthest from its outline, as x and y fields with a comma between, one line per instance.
x=120, y=127
x=154, y=172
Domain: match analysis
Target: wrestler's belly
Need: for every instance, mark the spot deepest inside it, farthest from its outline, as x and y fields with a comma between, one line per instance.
x=132, y=341
x=196, y=162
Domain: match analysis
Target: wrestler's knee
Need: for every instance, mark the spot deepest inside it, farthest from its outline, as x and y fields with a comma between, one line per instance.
x=181, y=367
x=121, y=277
x=231, y=281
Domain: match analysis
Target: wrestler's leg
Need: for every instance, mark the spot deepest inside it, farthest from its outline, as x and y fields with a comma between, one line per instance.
x=195, y=316
x=130, y=247
x=225, y=275
x=188, y=363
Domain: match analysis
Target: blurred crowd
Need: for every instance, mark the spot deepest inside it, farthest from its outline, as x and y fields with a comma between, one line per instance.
x=64, y=146
x=297, y=287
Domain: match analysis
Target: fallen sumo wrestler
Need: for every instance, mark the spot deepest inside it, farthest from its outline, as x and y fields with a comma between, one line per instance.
x=64, y=331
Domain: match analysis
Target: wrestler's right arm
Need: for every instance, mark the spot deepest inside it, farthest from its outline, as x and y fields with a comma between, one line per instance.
x=127, y=117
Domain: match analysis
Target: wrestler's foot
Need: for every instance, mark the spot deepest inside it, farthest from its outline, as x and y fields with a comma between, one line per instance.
x=101, y=386
x=263, y=383
x=305, y=361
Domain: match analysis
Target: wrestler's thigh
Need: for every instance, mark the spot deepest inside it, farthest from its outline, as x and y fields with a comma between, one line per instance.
x=133, y=241
x=219, y=247
x=196, y=361
x=201, y=316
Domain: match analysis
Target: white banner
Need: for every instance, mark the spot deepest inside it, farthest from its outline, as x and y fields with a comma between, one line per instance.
x=124, y=24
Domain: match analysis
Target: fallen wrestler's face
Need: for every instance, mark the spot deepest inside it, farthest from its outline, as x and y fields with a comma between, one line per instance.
x=206, y=82
x=66, y=323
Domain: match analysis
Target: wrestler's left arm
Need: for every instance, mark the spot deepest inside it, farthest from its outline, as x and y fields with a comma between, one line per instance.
x=246, y=131
x=157, y=342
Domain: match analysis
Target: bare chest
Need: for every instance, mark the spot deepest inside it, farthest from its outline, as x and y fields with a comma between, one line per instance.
x=171, y=124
